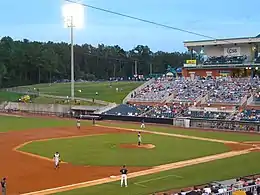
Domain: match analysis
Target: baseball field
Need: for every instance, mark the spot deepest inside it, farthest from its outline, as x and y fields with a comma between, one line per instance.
x=170, y=158
x=106, y=90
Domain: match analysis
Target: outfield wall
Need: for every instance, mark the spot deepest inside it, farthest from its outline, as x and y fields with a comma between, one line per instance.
x=31, y=107
x=215, y=124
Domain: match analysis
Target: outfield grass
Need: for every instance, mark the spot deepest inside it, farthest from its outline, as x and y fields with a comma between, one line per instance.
x=22, y=123
x=89, y=89
x=47, y=100
x=9, y=96
x=105, y=150
x=218, y=170
x=230, y=136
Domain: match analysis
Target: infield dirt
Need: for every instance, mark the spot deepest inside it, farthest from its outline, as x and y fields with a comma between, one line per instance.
x=27, y=173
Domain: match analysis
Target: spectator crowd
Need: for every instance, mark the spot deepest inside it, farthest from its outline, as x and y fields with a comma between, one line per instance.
x=173, y=98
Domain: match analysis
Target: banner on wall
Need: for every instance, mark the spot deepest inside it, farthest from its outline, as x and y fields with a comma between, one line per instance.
x=232, y=51
x=191, y=61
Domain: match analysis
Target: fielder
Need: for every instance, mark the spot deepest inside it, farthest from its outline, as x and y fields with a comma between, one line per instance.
x=3, y=185
x=142, y=124
x=123, y=172
x=57, y=160
x=139, y=138
x=78, y=124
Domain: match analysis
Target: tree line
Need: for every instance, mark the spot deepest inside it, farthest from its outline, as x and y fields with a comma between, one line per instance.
x=29, y=62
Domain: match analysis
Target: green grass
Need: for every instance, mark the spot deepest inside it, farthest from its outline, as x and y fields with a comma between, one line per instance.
x=47, y=100
x=105, y=150
x=9, y=96
x=230, y=136
x=89, y=90
x=193, y=175
x=22, y=123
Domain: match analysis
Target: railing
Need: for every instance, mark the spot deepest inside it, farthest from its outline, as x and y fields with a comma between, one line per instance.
x=211, y=109
x=128, y=97
x=252, y=189
x=243, y=101
x=250, y=100
x=223, y=125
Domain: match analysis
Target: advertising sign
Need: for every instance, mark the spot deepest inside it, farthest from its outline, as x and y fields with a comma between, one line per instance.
x=191, y=61
x=232, y=51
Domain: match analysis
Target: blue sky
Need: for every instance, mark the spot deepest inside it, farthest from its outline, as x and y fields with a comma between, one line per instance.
x=41, y=20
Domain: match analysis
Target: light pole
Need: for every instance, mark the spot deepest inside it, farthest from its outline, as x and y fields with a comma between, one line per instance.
x=73, y=14
x=72, y=58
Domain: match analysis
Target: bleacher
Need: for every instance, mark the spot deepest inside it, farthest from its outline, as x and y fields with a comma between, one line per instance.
x=128, y=110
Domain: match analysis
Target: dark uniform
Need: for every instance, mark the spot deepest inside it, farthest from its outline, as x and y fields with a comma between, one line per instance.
x=139, y=139
x=3, y=185
x=123, y=172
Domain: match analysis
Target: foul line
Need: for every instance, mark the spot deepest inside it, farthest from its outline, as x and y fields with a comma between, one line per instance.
x=155, y=179
x=173, y=135
x=153, y=170
x=156, y=169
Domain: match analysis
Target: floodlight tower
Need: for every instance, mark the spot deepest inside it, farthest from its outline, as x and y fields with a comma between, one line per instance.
x=73, y=15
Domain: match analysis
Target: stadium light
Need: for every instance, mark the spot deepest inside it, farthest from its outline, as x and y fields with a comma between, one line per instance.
x=73, y=15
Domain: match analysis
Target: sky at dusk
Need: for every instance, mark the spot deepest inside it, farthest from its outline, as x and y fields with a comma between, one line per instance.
x=41, y=20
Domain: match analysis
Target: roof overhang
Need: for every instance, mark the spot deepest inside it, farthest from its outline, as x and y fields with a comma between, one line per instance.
x=246, y=40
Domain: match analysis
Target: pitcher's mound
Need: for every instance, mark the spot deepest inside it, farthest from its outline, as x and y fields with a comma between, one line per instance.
x=146, y=146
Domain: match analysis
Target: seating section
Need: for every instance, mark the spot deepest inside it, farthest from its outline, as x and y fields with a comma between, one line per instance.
x=128, y=110
x=182, y=90
x=249, y=115
x=209, y=115
x=225, y=60
x=246, y=185
x=231, y=91
x=157, y=91
x=184, y=93
x=221, y=90
x=257, y=60
x=166, y=111
x=257, y=98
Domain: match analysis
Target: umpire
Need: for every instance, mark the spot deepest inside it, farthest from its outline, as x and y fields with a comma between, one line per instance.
x=3, y=185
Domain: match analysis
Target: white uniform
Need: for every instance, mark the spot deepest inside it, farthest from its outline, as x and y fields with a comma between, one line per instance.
x=142, y=125
x=78, y=123
x=123, y=177
x=56, y=159
x=139, y=138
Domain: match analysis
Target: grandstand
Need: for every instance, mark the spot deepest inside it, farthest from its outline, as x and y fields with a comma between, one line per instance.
x=220, y=82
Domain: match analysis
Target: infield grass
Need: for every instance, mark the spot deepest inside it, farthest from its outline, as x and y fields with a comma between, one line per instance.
x=218, y=170
x=89, y=89
x=230, y=136
x=105, y=150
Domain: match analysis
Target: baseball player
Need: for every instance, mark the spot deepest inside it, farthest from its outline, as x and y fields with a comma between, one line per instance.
x=3, y=185
x=123, y=172
x=139, y=138
x=142, y=124
x=78, y=124
x=56, y=158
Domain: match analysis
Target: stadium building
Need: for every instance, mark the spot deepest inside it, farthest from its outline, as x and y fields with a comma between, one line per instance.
x=235, y=57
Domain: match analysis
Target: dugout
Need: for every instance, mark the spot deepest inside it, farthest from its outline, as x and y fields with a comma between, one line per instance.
x=84, y=110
